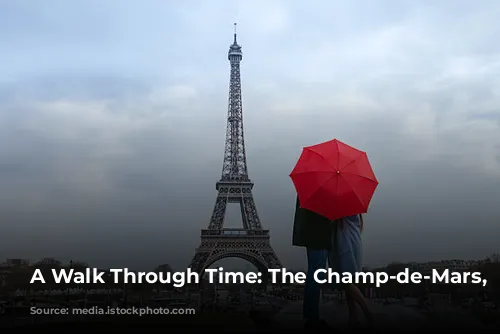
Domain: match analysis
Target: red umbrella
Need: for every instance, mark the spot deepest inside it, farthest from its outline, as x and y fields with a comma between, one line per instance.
x=334, y=180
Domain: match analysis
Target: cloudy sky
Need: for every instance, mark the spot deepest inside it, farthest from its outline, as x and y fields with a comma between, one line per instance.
x=112, y=122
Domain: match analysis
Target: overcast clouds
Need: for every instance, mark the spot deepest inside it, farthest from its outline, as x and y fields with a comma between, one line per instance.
x=112, y=121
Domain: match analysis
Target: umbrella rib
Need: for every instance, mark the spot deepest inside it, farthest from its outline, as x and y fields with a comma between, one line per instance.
x=318, y=189
x=353, y=191
x=361, y=176
x=338, y=157
x=324, y=159
x=313, y=171
x=353, y=160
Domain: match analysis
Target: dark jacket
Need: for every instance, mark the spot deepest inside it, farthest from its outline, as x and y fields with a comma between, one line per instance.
x=311, y=230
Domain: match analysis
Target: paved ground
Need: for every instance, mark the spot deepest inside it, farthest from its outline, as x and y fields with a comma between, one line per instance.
x=394, y=318
x=206, y=322
x=386, y=318
x=40, y=319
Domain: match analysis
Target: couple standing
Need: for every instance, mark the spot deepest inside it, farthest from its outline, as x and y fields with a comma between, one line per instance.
x=337, y=244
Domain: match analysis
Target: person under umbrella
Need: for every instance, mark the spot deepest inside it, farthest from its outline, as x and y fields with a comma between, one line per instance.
x=335, y=181
x=346, y=257
x=313, y=232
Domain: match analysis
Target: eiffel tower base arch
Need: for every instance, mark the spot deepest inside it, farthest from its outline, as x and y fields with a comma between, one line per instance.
x=252, y=246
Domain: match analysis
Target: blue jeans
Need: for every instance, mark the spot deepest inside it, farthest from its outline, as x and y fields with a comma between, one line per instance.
x=316, y=259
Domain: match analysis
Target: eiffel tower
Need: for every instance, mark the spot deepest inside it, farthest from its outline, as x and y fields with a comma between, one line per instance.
x=252, y=242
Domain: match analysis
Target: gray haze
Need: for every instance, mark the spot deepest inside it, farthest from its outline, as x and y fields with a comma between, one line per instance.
x=112, y=122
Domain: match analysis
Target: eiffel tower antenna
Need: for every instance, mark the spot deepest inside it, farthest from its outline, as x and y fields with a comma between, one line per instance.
x=251, y=242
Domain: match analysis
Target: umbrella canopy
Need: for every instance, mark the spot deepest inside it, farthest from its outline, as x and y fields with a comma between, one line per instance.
x=334, y=180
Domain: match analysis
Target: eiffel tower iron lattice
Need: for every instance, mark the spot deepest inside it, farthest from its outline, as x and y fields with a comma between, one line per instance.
x=251, y=242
